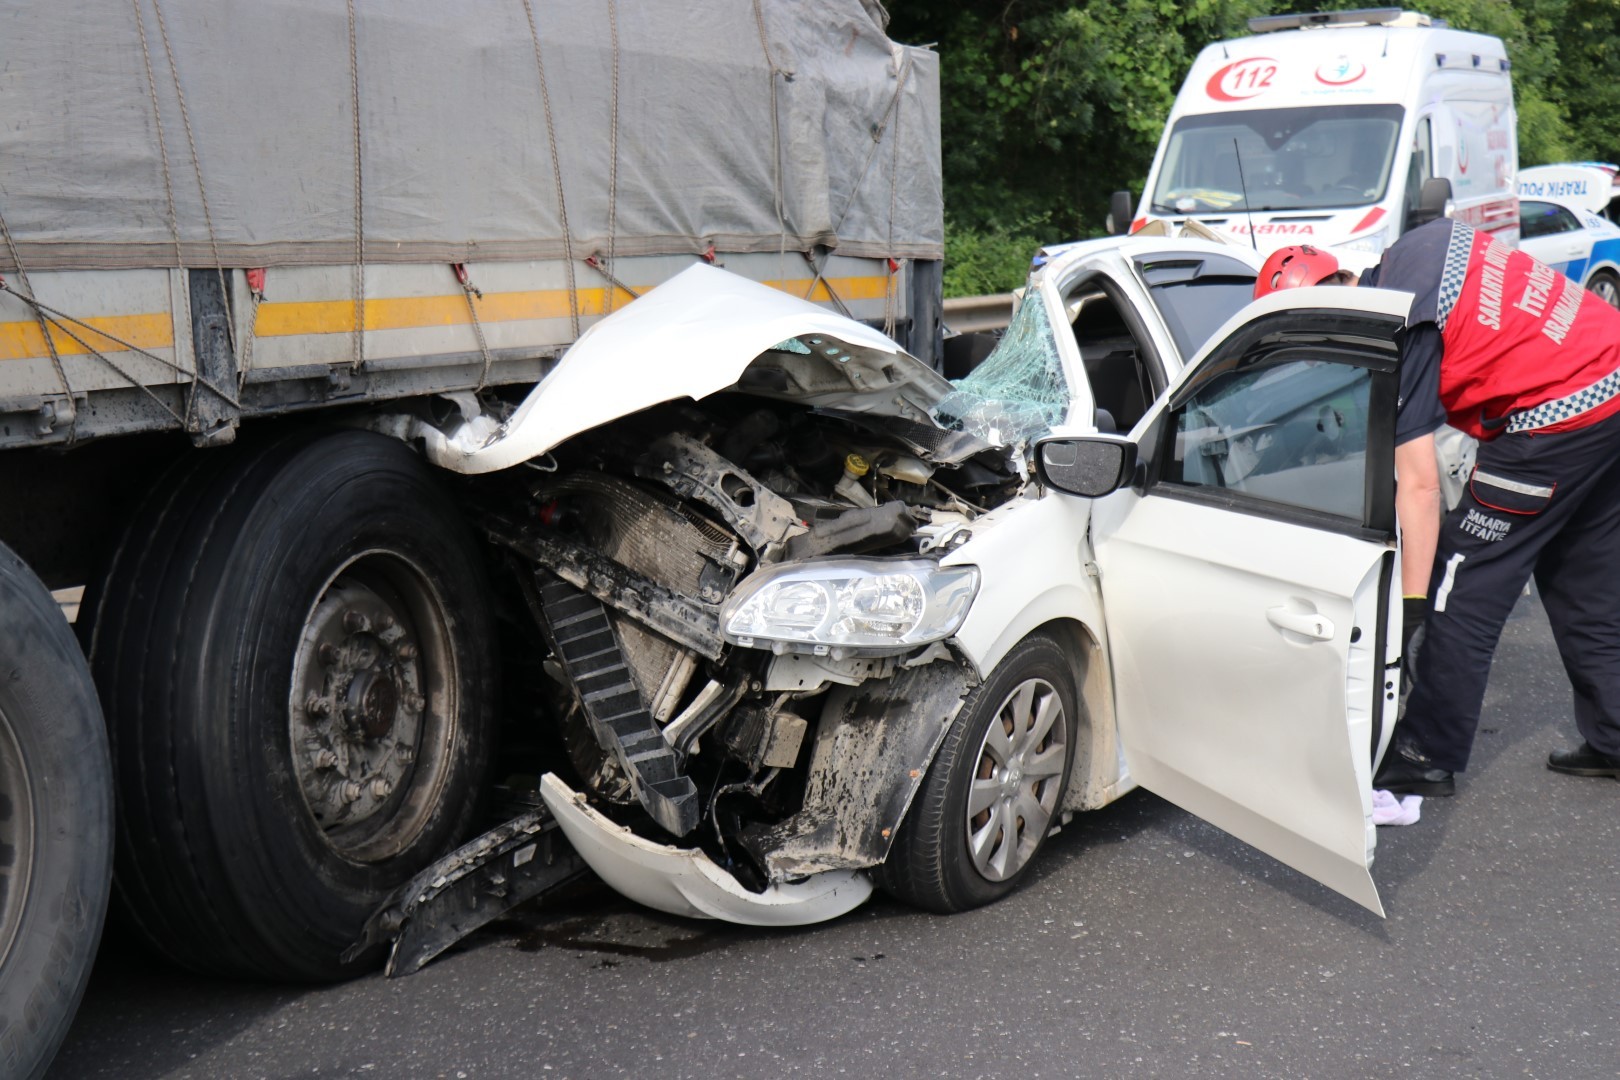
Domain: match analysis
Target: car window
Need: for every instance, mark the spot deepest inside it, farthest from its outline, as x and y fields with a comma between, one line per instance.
x=1544, y=219
x=1196, y=295
x=1290, y=433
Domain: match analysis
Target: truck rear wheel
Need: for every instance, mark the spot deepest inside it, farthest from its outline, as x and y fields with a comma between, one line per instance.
x=55, y=822
x=294, y=647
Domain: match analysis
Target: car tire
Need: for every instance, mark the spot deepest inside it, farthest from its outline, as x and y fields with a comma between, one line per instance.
x=55, y=822
x=995, y=788
x=1606, y=287
x=293, y=645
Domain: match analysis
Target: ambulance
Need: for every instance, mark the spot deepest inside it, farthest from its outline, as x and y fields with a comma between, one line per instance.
x=1343, y=129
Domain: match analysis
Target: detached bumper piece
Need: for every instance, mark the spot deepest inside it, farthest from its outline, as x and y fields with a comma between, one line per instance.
x=589, y=650
x=687, y=882
x=473, y=885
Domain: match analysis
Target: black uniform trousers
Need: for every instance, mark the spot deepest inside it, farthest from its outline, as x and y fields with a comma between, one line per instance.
x=1542, y=504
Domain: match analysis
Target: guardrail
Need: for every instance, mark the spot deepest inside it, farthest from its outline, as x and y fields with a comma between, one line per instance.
x=976, y=314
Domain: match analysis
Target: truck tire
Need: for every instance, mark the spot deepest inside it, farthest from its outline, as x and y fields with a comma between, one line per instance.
x=55, y=822
x=294, y=648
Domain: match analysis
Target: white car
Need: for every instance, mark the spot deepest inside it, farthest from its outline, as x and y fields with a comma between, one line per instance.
x=1562, y=222
x=816, y=622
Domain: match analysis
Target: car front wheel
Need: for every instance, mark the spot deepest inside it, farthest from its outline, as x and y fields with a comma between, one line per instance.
x=994, y=789
x=1606, y=287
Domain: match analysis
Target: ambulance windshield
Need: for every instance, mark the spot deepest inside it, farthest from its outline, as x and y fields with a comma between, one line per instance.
x=1292, y=159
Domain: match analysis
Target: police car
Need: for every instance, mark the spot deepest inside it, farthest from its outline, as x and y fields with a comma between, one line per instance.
x=1562, y=223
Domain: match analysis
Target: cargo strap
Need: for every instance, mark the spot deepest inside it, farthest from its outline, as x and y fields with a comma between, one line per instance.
x=776, y=140
x=613, y=147
x=59, y=320
x=359, y=203
x=1549, y=413
x=44, y=326
x=589, y=650
x=474, y=294
x=891, y=112
x=168, y=186
x=556, y=170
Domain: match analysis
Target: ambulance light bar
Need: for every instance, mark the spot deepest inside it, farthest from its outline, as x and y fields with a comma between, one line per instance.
x=1386, y=16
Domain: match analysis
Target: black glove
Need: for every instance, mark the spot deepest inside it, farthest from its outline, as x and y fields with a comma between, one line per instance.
x=1414, y=609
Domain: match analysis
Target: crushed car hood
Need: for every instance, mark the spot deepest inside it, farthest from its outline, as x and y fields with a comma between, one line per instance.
x=698, y=333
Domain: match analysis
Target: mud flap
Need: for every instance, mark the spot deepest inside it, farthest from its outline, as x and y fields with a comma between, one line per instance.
x=473, y=885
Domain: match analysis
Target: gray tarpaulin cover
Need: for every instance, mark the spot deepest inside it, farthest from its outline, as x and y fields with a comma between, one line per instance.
x=455, y=162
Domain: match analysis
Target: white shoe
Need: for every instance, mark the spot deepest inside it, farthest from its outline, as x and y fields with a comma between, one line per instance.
x=1388, y=810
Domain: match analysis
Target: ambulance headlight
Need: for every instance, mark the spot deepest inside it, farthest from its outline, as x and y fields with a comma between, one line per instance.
x=849, y=607
x=1373, y=243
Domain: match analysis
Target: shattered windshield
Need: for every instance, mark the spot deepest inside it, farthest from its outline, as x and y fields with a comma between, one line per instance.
x=1019, y=391
x=1287, y=159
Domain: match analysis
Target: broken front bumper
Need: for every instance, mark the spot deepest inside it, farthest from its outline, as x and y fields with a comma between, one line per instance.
x=685, y=881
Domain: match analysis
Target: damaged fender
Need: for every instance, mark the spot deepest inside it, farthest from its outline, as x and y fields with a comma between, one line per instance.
x=873, y=747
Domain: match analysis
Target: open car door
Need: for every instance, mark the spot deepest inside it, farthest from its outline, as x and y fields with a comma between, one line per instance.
x=1248, y=573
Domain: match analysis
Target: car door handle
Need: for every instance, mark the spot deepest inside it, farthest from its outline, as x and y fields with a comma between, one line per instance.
x=1307, y=623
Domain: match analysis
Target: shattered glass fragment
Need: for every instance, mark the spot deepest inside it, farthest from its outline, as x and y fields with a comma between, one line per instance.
x=1019, y=391
x=792, y=345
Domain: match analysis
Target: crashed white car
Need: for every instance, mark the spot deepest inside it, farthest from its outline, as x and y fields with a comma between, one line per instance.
x=820, y=620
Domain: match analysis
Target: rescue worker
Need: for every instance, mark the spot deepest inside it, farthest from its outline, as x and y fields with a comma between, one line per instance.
x=1517, y=355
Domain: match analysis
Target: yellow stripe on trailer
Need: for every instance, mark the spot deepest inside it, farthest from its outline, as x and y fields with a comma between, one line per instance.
x=288, y=319
x=23, y=340
x=155, y=330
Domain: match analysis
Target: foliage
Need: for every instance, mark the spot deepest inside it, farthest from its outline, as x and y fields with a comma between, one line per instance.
x=1051, y=105
x=990, y=259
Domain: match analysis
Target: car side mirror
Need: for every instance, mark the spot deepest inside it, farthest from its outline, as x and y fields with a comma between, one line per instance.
x=1089, y=465
x=1433, y=200
x=1120, y=205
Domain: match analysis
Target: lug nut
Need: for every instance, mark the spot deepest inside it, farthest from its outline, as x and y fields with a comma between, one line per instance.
x=385, y=622
x=350, y=791
x=354, y=622
x=380, y=788
x=325, y=759
x=406, y=651
x=415, y=702
x=404, y=755
x=316, y=705
x=329, y=654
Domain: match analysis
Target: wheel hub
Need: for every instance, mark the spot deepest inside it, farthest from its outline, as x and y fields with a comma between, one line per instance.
x=373, y=702
x=1018, y=775
x=358, y=704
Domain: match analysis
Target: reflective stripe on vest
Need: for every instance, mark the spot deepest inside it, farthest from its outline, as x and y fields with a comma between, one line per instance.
x=1549, y=413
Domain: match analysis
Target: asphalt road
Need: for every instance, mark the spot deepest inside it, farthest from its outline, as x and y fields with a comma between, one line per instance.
x=1149, y=944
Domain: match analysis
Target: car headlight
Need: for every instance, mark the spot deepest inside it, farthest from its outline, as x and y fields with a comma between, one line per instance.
x=1373, y=243
x=845, y=607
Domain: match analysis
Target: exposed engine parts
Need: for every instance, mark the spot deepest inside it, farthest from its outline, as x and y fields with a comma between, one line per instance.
x=628, y=555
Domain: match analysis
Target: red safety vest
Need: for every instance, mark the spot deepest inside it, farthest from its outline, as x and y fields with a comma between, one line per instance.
x=1519, y=334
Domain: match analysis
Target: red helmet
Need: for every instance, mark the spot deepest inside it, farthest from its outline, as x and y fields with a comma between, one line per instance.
x=1294, y=267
